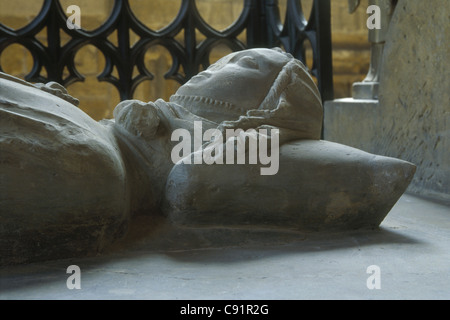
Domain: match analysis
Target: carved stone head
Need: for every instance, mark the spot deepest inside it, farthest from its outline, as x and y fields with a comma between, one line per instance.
x=266, y=83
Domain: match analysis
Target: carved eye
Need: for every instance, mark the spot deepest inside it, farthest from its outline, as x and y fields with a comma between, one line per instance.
x=215, y=66
x=248, y=62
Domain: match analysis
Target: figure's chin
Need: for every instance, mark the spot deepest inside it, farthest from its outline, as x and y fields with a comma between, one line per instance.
x=320, y=186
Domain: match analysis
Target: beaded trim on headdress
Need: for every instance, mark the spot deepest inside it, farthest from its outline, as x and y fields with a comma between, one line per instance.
x=214, y=103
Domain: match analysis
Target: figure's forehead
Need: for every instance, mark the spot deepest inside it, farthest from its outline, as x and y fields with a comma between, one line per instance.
x=260, y=54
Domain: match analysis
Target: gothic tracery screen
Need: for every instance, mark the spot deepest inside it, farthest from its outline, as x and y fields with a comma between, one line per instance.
x=124, y=40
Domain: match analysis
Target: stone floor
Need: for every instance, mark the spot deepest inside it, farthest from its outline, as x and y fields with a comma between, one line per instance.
x=411, y=249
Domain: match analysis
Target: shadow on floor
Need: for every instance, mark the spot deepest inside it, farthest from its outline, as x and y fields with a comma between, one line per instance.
x=216, y=246
x=209, y=244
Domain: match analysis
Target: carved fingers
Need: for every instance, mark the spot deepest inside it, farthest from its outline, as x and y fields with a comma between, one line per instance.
x=58, y=90
x=137, y=118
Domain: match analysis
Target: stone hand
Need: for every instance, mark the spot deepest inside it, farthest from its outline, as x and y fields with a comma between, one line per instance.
x=138, y=118
x=243, y=142
x=58, y=90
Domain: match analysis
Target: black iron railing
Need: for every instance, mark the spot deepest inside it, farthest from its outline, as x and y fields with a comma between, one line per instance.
x=259, y=18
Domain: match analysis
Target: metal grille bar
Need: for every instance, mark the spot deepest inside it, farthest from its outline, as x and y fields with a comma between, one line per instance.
x=259, y=18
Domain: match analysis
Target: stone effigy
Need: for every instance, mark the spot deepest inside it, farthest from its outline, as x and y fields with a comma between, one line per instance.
x=70, y=185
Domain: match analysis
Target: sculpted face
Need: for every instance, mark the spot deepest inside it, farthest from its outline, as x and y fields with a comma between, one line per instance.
x=233, y=85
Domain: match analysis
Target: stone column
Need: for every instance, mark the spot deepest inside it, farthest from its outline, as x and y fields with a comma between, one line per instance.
x=368, y=88
x=352, y=120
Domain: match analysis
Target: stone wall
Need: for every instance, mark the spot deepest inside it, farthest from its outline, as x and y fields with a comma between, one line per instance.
x=98, y=99
x=414, y=94
x=412, y=119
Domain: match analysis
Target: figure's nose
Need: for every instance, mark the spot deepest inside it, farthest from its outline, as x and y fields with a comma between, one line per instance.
x=202, y=75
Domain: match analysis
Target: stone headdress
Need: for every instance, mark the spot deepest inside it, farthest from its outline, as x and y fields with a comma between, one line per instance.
x=292, y=103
